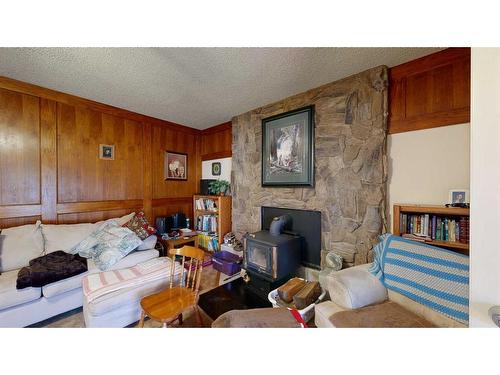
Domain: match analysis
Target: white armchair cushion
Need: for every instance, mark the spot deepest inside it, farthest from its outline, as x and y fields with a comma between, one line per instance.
x=18, y=245
x=355, y=287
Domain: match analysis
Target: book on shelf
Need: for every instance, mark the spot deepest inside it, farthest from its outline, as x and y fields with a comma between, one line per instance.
x=208, y=240
x=434, y=227
x=206, y=204
x=206, y=223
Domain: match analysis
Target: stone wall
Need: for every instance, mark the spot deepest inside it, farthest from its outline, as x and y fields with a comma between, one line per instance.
x=350, y=164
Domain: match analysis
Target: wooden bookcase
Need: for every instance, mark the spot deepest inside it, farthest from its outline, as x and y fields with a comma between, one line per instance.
x=222, y=214
x=431, y=210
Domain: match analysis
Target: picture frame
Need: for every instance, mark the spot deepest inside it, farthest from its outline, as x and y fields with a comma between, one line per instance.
x=288, y=149
x=458, y=196
x=106, y=152
x=216, y=169
x=176, y=166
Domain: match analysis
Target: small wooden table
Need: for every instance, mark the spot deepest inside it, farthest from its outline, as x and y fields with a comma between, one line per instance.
x=173, y=243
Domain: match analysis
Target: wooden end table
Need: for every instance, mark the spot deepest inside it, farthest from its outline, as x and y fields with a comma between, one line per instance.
x=173, y=243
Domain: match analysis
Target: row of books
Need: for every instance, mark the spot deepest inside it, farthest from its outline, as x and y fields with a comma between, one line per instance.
x=434, y=227
x=206, y=223
x=206, y=204
x=208, y=241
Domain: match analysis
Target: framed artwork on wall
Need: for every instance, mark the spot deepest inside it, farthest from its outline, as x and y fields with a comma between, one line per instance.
x=216, y=169
x=107, y=152
x=176, y=167
x=288, y=149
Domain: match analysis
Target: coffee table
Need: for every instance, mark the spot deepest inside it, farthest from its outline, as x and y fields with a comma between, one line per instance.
x=234, y=295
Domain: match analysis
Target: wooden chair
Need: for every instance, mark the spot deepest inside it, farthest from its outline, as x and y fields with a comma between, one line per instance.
x=168, y=305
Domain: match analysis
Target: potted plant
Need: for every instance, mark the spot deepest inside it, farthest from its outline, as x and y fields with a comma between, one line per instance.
x=219, y=187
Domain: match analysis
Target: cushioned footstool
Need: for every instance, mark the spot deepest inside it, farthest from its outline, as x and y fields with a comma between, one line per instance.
x=119, y=305
x=280, y=317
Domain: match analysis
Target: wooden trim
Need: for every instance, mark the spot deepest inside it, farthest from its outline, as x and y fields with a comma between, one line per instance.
x=431, y=120
x=147, y=176
x=21, y=210
x=217, y=128
x=217, y=155
x=30, y=89
x=158, y=202
x=79, y=207
x=430, y=62
x=48, y=160
x=429, y=209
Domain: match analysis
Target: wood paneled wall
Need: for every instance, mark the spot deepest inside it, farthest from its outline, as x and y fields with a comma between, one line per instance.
x=216, y=142
x=49, y=164
x=431, y=91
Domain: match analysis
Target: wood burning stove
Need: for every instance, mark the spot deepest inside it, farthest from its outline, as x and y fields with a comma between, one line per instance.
x=271, y=257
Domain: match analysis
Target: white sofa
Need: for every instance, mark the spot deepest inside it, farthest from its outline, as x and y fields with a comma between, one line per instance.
x=355, y=288
x=23, y=307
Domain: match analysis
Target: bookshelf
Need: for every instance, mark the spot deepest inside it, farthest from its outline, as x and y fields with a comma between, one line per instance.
x=438, y=211
x=210, y=211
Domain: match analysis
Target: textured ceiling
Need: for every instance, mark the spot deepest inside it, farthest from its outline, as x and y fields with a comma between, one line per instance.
x=196, y=87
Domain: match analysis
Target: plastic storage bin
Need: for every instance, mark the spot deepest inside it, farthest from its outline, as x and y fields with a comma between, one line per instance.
x=307, y=313
x=226, y=262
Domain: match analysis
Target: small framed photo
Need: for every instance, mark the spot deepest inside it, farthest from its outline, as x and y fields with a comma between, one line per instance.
x=107, y=152
x=459, y=196
x=176, y=164
x=216, y=169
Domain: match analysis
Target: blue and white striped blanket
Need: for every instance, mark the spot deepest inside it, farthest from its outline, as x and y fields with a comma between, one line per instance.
x=435, y=277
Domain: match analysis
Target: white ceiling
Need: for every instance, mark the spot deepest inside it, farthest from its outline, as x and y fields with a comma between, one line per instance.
x=196, y=87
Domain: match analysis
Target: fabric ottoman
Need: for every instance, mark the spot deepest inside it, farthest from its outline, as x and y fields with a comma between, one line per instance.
x=269, y=317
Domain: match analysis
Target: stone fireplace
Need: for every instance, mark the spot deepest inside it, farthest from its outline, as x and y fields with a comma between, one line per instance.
x=350, y=164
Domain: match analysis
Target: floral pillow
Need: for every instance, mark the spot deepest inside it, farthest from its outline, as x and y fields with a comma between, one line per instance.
x=107, y=244
x=140, y=226
x=114, y=244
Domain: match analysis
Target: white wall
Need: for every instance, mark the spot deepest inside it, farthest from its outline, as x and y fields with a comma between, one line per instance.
x=425, y=164
x=485, y=189
x=206, y=169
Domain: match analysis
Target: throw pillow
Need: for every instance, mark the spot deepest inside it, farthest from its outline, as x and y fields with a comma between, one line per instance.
x=18, y=245
x=65, y=236
x=140, y=226
x=114, y=243
x=85, y=247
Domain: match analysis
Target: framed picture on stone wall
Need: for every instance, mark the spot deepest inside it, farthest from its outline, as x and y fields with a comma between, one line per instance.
x=288, y=149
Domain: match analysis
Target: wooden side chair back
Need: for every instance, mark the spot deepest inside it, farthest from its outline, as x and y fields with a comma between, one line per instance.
x=190, y=279
x=182, y=294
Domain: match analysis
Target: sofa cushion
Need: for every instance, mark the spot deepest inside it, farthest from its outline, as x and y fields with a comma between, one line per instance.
x=322, y=313
x=18, y=245
x=132, y=259
x=10, y=296
x=124, y=297
x=120, y=220
x=65, y=236
x=148, y=243
x=355, y=287
x=383, y=315
x=63, y=286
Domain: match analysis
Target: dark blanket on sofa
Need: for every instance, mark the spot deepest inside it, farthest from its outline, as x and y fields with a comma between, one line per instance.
x=50, y=268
